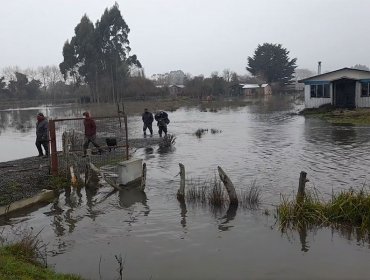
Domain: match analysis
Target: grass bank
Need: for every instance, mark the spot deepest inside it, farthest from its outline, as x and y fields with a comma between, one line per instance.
x=349, y=208
x=359, y=116
x=25, y=259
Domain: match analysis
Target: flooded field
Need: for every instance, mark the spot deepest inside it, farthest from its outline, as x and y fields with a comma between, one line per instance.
x=159, y=238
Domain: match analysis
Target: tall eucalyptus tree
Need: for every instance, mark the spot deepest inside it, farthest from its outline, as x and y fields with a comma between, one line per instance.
x=100, y=55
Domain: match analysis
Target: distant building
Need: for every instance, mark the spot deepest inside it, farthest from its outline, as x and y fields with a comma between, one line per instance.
x=343, y=88
x=176, y=90
x=250, y=89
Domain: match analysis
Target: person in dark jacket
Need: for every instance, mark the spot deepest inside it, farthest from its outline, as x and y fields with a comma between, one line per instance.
x=90, y=132
x=162, y=121
x=147, y=118
x=42, y=139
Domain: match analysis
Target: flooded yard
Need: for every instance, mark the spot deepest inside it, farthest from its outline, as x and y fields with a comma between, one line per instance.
x=159, y=238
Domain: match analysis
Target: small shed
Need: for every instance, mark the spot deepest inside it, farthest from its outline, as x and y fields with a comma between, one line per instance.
x=176, y=90
x=251, y=89
x=342, y=88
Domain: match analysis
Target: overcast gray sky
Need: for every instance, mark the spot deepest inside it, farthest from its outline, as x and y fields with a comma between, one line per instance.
x=196, y=36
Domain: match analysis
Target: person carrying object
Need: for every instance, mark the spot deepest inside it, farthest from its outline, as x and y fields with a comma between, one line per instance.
x=42, y=139
x=162, y=121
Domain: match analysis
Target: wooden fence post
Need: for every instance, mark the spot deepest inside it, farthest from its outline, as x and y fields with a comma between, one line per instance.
x=301, y=187
x=181, y=191
x=53, y=148
x=126, y=132
x=143, y=178
x=229, y=186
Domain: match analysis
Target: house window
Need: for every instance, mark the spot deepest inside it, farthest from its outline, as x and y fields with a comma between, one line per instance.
x=365, y=89
x=326, y=91
x=320, y=91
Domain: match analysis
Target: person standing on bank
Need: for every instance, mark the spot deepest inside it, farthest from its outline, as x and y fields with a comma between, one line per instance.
x=90, y=132
x=147, y=118
x=162, y=121
x=42, y=138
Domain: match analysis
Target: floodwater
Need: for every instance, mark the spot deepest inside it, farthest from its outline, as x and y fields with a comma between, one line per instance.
x=159, y=238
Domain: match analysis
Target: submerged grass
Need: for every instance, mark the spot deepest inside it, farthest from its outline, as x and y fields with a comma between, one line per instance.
x=251, y=198
x=349, y=208
x=207, y=192
x=213, y=193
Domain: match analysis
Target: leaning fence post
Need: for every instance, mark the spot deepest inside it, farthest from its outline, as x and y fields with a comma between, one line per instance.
x=181, y=191
x=301, y=187
x=229, y=186
x=53, y=148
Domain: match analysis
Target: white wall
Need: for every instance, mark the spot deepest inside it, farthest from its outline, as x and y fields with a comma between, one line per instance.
x=361, y=101
x=316, y=102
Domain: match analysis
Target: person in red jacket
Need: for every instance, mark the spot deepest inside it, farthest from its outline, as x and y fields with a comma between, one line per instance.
x=90, y=132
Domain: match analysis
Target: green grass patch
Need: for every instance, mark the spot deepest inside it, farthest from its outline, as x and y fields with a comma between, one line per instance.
x=26, y=259
x=350, y=208
x=340, y=116
x=14, y=268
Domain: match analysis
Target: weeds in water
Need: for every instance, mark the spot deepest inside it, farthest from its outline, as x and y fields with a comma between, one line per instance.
x=206, y=192
x=214, y=130
x=350, y=208
x=251, y=198
x=200, y=131
x=217, y=196
x=167, y=141
x=212, y=192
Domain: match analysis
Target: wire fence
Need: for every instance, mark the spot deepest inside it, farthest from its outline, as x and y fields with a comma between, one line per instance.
x=67, y=139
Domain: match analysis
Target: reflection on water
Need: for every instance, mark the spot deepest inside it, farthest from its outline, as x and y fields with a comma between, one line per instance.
x=163, y=238
x=128, y=197
x=230, y=216
x=303, y=238
x=344, y=135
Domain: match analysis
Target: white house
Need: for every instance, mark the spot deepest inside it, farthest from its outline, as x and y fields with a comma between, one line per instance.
x=250, y=89
x=176, y=90
x=343, y=88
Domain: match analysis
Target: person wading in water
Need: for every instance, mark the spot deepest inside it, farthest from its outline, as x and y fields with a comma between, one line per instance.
x=42, y=138
x=147, y=118
x=90, y=133
x=162, y=121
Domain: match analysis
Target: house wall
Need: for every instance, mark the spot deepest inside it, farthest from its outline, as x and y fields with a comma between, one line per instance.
x=316, y=102
x=267, y=90
x=361, y=102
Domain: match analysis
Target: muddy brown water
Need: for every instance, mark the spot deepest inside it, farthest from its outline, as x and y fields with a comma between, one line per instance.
x=159, y=238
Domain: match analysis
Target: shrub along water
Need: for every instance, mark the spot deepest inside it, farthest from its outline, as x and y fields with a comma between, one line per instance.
x=349, y=208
